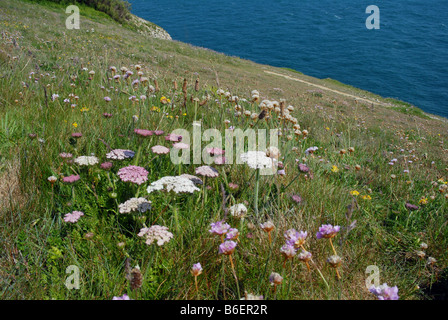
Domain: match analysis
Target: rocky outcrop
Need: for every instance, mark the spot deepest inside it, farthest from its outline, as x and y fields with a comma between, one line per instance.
x=149, y=29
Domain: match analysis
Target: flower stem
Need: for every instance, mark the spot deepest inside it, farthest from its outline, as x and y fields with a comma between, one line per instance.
x=331, y=242
x=257, y=177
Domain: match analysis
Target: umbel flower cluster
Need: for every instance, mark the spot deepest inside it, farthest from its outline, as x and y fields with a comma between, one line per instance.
x=178, y=184
x=156, y=233
x=135, y=204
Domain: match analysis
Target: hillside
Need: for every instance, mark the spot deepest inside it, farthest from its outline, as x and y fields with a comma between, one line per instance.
x=85, y=123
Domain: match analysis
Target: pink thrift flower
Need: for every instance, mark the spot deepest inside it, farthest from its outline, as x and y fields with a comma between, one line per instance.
x=71, y=179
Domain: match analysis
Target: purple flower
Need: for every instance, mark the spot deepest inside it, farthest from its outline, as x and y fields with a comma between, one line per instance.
x=71, y=179
x=196, y=269
x=296, y=198
x=327, y=231
x=159, y=132
x=123, y=297
x=107, y=115
x=219, y=228
x=76, y=134
x=295, y=238
x=107, y=99
x=232, y=234
x=134, y=174
x=384, y=292
x=288, y=250
x=65, y=155
x=303, y=168
x=173, y=137
x=227, y=247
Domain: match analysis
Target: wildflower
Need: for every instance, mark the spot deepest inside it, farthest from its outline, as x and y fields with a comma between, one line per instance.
x=357, y=167
x=52, y=179
x=423, y=201
x=366, y=197
x=334, y=168
x=178, y=184
x=75, y=124
x=335, y=261
x=423, y=246
x=233, y=185
x=156, y=233
x=107, y=99
x=311, y=150
x=120, y=154
x=288, y=251
x=232, y=234
x=196, y=270
x=304, y=256
x=431, y=261
x=71, y=179
x=86, y=160
x=106, y=165
x=135, y=204
x=273, y=152
x=327, y=231
x=143, y=132
x=238, y=210
x=207, y=171
x=219, y=228
x=173, y=137
x=215, y=151
x=134, y=174
x=296, y=198
x=421, y=254
x=227, y=247
x=384, y=292
x=180, y=145
x=250, y=296
x=160, y=149
x=275, y=279
x=354, y=193
x=256, y=159
x=107, y=115
x=73, y=216
x=295, y=238
x=303, y=168
x=123, y=297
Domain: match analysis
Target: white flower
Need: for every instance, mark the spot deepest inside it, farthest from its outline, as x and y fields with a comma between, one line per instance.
x=156, y=233
x=238, y=210
x=135, y=204
x=256, y=160
x=178, y=184
x=86, y=160
x=120, y=154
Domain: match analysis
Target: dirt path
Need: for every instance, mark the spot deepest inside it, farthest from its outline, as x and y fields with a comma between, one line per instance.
x=387, y=105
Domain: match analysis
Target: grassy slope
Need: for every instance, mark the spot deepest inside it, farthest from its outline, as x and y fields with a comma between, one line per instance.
x=37, y=246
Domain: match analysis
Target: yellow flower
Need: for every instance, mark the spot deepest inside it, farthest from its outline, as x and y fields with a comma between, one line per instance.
x=334, y=169
x=423, y=201
x=354, y=193
x=366, y=197
x=75, y=124
x=84, y=109
x=327, y=128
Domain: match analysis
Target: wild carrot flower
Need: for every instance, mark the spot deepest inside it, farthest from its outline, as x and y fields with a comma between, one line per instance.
x=120, y=154
x=106, y=165
x=135, y=204
x=73, y=216
x=134, y=174
x=207, y=171
x=160, y=149
x=384, y=292
x=86, y=160
x=178, y=184
x=71, y=179
x=157, y=233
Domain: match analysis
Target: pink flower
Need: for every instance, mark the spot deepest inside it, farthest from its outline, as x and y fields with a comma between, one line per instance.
x=180, y=145
x=160, y=149
x=327, y=231
x=207, y=171
x=219, y=228
x=227, y=247
x=134, y=174
x=173, y=137
x=71, y=179
x=215, y=151
x=143, y=132
x=73, y=217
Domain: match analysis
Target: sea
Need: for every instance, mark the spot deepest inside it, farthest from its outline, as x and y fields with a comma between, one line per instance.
x=397, y=49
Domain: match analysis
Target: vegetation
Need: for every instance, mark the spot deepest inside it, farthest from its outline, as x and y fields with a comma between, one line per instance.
x=68, y=98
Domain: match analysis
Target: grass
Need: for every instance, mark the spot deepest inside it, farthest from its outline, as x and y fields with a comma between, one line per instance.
x=39, y=59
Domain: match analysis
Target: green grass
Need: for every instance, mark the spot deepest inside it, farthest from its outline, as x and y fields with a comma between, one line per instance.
x=39, y=59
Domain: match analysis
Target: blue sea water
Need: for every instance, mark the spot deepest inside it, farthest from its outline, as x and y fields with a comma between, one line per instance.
x=407, y=58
